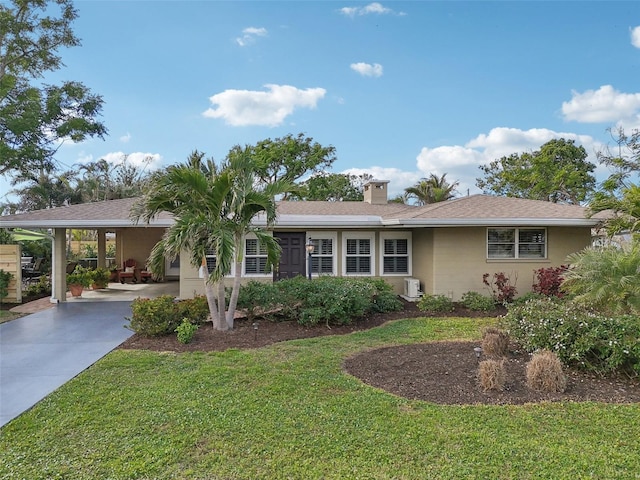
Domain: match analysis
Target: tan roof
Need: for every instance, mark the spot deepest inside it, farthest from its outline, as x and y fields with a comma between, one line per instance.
x=471, y=210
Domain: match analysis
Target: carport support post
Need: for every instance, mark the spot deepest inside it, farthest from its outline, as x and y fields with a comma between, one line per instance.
x=102, y=248
x=59, y=266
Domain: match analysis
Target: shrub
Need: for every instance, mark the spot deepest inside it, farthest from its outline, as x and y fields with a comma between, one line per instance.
x=330, y=300
x=495, y=342
x=41, y=288
x=577, y=335
x=5, y=278
x=477, y=302
x=500, y=287
x=544, y=373
x=549, y=281
x=435, y=303
x=606, y=278
x=186, y=330
x=154, y=317
x=491, y=374
x=195, y=309
x=522, y=299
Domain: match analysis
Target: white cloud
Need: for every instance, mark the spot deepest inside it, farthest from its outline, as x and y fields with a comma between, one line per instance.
x=398, y=179
x=635, y=37
x=372, y=8
x=148, y=161
x=125, y=138
x=461, y=162
x=367, y=70
x=250, y=34
x=270, y=108
x=603, y=105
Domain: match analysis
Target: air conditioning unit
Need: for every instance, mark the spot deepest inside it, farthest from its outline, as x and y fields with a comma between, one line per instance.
x=411, y=287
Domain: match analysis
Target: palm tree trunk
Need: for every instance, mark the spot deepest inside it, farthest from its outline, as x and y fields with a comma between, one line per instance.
x=221, y=306
x=233, y=301
x=209, y=292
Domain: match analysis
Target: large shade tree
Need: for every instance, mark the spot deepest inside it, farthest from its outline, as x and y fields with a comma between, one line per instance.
x=288, y=158
x=433, y=189
x=214, y=208
x=558, y=172
x=36, y=117
x=332, y=187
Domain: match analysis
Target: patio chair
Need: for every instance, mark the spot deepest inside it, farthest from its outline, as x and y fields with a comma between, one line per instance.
x=146, y=275
x=31, y=272
x=128, y=271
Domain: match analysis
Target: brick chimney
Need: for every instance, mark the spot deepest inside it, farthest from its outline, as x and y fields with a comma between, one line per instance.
x=375, y=192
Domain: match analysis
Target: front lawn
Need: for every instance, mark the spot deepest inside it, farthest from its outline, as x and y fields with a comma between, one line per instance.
x=289, y=411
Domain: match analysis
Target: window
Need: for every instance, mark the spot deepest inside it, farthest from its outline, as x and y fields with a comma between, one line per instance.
x=396, y=249
x=211, y=260
x=516, y=243
x=322, y=259
x=359, y=254
x=255, y=258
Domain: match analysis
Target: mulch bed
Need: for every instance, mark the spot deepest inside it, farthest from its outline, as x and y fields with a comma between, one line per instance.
x=438, y=372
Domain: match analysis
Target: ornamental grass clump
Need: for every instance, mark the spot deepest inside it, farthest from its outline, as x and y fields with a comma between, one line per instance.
x=492, y=374
x=495, y=342
x=544, y=373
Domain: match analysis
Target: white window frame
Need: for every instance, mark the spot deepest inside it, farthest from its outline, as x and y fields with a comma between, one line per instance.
x=324, y=235
x=516, y=244
x=245, y=256
x=371, y=236
x=210, y=254
x=396, y=236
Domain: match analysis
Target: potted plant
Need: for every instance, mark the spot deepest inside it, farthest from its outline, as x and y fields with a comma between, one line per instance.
x=78, y=280
x=113, y=272
x=100, y=277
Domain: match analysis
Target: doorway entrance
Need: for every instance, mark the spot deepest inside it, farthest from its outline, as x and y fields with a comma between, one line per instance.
x=293, y=256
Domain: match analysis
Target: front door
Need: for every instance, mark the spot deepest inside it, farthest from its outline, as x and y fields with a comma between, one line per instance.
x=292, y=259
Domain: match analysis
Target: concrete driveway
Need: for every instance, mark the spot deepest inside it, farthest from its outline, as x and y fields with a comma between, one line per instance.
x=42, y=351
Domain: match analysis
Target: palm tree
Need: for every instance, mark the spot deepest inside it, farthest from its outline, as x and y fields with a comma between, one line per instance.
x=432, y=190
x=213, y=208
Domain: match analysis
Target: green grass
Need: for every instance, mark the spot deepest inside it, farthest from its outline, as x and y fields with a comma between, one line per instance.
x=7, y=316
x=289, y=411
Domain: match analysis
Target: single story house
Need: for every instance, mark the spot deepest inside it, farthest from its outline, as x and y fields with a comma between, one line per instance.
x=443, y=248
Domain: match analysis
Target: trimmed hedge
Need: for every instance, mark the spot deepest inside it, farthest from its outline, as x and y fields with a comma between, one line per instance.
x=162, y=315
x=330, y=300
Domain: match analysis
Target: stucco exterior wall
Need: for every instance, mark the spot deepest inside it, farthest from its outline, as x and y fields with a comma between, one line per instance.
x=136, y=243
x=459, y=259
x=447, y=261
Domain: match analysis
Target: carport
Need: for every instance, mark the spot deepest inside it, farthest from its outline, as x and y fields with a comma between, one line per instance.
x=132, y=240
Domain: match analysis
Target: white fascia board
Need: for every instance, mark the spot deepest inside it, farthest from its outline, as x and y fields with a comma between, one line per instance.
x=85, y=224
x=494, y=222
x=318, y=221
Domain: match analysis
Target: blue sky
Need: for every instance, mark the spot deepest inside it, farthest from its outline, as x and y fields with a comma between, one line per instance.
x=401, y=89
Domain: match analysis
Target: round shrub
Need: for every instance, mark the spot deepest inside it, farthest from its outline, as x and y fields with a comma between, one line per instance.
x=477, y=302
x=435, y=303
x=154, y=317
x=544, y=373
x=186, y=330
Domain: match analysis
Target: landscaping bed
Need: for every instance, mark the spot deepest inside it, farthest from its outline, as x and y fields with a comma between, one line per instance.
x=438, y=372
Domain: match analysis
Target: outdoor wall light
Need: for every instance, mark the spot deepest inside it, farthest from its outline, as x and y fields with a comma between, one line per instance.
x=310, y=248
